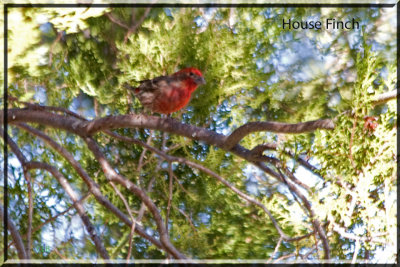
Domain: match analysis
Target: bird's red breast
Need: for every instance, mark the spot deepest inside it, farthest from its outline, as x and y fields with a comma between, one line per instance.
x=168, y=94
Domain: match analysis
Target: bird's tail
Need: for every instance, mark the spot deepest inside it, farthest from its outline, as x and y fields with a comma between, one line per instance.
x=129, y=87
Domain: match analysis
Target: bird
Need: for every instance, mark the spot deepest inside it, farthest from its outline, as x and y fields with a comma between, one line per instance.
x=168, y=94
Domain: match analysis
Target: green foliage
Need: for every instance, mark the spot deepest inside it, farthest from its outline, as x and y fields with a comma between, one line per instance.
x=364, y=160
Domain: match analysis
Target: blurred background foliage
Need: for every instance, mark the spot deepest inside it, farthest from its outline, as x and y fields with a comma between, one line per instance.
x=78, y=58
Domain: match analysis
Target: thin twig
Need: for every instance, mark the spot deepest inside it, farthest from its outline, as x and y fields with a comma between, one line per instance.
x=276, y=249
x=259, y=149
x=285, y=257
x=59, y=254
x=116, y=21
x=59, y=35
x=353, y=130
x=53, y=218
x=128, y=208
x=356, y=250
x=187, y=218
x=312, y=249
x=181, y=187
x=170, y=186
x=136, y=25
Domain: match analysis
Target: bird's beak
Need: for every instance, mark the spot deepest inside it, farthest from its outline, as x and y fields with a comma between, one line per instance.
x=200, y=80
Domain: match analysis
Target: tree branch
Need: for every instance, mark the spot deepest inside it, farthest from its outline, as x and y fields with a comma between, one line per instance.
x=259, y=149
x=385, y=97
x=78, y=206
x=93, y=186
x=276, y=249
x=116, y=21
x=136, y=25
x=21, y=158
x=128, y=209
x=51, y=219
x=342, y=231
x=200, y=167
x=276, y=127
x=112, y=175
x=19, y=244
x=87, y=128
x=316, y=223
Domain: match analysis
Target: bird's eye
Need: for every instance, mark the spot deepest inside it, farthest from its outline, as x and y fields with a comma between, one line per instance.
x=191, y=74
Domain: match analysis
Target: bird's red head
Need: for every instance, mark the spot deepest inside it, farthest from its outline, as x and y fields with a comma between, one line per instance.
x=193, y=76
x=191, y=70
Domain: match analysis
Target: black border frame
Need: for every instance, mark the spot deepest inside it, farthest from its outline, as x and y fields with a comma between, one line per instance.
x=179, y=5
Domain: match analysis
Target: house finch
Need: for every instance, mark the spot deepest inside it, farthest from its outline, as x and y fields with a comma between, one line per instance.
x=167, y=94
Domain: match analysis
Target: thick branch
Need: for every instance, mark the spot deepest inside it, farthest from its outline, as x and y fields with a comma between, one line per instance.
x=84, y=128
x=155, y=123
x=277, y=127
x=68, y=123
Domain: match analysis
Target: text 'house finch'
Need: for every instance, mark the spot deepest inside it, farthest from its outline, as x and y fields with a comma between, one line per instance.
x=167, y=94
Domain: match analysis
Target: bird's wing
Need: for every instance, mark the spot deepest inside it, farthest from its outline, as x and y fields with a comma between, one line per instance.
x=161, y=84
x=151, y=92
